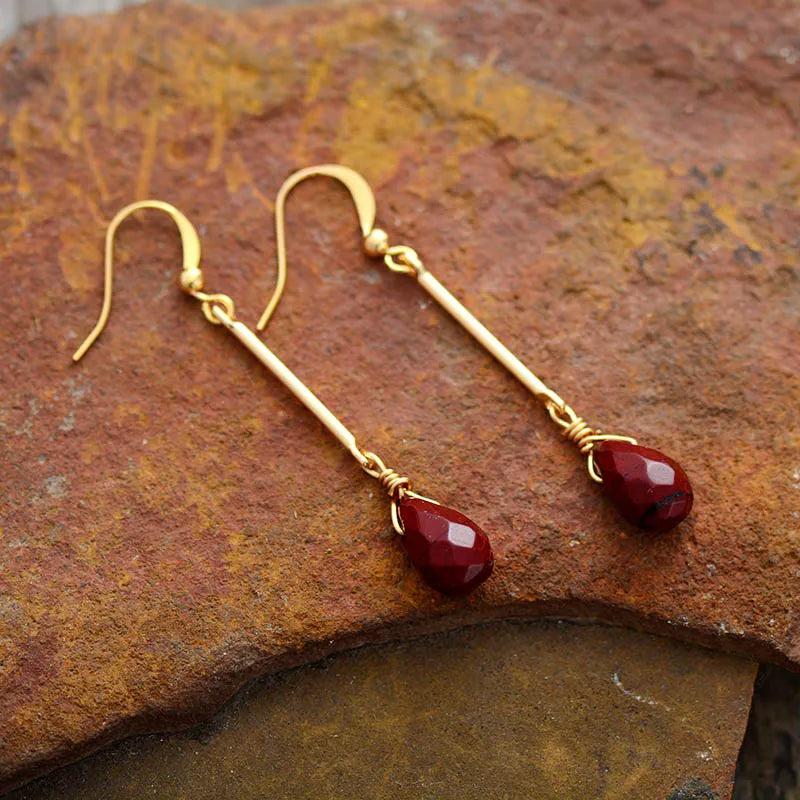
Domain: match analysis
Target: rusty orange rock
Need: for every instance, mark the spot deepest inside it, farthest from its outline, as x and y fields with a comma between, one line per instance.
x=612, y=193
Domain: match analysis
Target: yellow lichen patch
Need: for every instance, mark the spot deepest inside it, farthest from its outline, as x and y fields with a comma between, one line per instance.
x=312, y=121
x=185, y=475
x=252, y=423
x=80, y=259
x=717, y=223
x=237, y=174
x=470, y=108
x=86, y=548
x=372, y=139
x=90, y=450
x=124, y=411
x=729, y=215
x=319, y=74
x=20, y=134
x=10, y=655
x=149, y=131
x=215, y=83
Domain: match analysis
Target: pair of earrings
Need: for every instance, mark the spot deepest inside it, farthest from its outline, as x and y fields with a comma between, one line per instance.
x=452, y=553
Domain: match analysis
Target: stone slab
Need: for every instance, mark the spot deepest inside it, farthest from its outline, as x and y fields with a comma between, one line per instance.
x=611, y=187
x=504, y=710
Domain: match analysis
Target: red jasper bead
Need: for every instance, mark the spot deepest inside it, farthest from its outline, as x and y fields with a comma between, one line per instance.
x=648, y=488
x=450, y=550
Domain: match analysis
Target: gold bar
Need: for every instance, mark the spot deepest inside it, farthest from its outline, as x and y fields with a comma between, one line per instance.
x=487, y=339
x=291, y=382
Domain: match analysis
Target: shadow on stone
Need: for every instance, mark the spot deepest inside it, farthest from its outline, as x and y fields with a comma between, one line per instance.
x=768, y=762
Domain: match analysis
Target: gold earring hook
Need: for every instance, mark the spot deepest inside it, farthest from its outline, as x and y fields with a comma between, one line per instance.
x=364, y=201
x=191, y=278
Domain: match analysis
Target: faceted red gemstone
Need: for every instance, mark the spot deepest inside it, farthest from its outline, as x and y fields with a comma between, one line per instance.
x=451, y=551
x=648, y=488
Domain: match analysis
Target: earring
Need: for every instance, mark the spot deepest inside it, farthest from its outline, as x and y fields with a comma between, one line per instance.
x=648, y=488
x=451, y=552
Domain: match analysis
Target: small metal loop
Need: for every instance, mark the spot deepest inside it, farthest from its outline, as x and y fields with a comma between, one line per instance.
x=373, y=464
x=418, y=496
x=396, y=521
x=395, y=484
x=592, y=467
x=562, y=415
x=594, y=473
x=210, y=300
x=404, y=259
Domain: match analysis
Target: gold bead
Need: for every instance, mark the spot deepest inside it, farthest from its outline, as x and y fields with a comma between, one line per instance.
x=191, y=280
x=376, y=243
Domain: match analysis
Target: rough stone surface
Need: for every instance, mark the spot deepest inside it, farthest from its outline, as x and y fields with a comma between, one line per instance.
x=612, y=187
x=498, y=711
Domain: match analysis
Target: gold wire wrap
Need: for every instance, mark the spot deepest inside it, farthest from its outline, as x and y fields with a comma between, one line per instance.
x=392, y=481
x=397, y=486
x=576, y=430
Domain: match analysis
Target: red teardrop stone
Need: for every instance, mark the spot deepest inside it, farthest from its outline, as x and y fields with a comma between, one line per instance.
x=450, y=550
x=648, y=488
